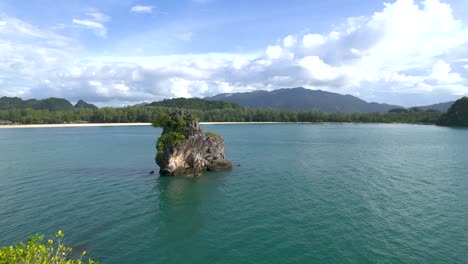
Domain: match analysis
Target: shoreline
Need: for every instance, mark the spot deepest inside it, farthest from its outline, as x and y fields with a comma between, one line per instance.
x=202, y=123
x=74, y=125
x=130, y=124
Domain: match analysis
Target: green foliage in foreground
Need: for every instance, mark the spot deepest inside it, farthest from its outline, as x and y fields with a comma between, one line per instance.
x=37, y=251
x=149, y=113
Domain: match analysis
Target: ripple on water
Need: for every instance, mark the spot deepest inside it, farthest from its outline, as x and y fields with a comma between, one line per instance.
x=303, y=193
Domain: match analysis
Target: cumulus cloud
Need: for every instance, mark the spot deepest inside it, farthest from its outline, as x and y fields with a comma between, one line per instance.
x=95, y=21
x=406, y=54
x=142, y=9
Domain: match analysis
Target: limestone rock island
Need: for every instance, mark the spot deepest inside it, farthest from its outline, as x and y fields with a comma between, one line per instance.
x=182, y=147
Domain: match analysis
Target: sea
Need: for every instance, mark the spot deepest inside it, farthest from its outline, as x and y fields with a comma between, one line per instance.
x=298, y=193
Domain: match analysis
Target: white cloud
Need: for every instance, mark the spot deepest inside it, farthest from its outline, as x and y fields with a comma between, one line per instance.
x=313, y=40
x=142, y=9
x=98, y=16
x=13, y=28
x=318, y=69
x=274, y=52
x=289, y=41
x=98, y=28
x=95, y=22
x=442, y=73
x=404, y=51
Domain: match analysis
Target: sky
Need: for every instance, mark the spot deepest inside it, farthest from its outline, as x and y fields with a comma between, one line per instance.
x=124, y=52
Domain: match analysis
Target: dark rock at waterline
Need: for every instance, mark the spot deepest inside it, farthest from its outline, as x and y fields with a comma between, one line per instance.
x=183, y=149
x=219, y=165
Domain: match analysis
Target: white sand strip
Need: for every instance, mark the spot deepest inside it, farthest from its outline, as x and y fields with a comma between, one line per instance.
x=76, y=125
x=129, y=124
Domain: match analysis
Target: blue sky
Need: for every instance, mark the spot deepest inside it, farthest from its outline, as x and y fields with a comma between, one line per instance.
x=123, y=52
x=215, y=25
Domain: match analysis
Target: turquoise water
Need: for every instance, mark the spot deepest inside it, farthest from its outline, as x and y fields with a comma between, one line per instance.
x=303, y=194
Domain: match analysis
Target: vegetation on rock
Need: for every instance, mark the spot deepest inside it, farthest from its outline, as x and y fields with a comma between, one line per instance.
x=184, y=149
x=180, y=146
x=38, y=251
x=176, y=131
x=211, y=134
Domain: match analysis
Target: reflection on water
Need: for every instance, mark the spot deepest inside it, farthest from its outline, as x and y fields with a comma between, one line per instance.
x=181, y=203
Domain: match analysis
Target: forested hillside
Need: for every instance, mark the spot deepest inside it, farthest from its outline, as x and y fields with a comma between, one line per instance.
x=303, y=99
x=457, y=115
x=50, y=104
x=210, y=112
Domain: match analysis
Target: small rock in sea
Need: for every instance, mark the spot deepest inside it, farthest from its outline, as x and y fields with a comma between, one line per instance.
x=151, y=172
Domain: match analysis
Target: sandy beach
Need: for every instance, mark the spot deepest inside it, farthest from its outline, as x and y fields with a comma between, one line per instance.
x=126, y=124
x=75, y=125
x=202, y=123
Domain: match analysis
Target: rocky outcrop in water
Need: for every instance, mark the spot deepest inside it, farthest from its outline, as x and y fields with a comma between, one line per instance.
x=183, y=149
x=215, y=157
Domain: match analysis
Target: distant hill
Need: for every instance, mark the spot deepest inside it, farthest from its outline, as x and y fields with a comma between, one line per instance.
x=195, y=103
x=457, y=115
x=303, y=99
x=83, y=104
x=442, y=107
x=52, y=104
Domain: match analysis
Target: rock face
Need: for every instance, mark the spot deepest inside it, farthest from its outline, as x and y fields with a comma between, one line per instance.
x=215, y=157
x=182, y=148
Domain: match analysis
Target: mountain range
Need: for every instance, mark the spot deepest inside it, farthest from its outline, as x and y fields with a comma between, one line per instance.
x=286, y=99
x=309, y=100
x=442, y=107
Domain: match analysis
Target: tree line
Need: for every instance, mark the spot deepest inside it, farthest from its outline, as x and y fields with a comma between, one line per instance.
x=228, y=114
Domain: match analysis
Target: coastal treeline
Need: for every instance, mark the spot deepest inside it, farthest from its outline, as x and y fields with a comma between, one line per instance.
x=457, y=115
x=207, y=114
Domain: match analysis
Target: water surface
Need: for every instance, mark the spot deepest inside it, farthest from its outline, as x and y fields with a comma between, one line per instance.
x=304, y=193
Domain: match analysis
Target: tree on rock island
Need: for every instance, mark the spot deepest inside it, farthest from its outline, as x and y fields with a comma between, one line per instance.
x=183, y=149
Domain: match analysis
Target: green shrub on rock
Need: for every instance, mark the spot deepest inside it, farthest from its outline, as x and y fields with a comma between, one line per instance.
x=176, y=130
x=211, y=134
